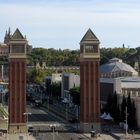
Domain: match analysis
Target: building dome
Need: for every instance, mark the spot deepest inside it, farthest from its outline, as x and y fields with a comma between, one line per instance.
x=116, y=68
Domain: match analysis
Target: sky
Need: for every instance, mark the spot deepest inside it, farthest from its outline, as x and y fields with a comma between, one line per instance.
x=63, y=23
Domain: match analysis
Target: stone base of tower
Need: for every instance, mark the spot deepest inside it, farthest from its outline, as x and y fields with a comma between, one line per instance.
x=87, y=127
x=17, y=128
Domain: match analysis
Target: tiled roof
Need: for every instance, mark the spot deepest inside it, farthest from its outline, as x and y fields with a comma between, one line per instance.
x=17, y=35
x=89, y=36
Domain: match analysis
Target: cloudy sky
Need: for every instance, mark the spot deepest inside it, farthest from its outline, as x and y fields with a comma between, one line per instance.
x=62, y=23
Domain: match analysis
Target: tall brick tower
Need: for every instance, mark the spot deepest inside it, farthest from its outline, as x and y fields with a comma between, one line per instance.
x=17, y=83
x=89, y=80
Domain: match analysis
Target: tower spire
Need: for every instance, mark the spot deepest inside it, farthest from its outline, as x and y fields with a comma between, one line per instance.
x=7, y=36
x=6, y=33
x=9, y=31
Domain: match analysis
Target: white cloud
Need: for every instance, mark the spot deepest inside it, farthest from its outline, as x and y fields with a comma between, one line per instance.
x=64, y=25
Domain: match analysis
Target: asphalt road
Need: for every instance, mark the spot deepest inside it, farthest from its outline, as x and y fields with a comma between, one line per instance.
x=38, y=114
x=41, y=120
x=63, y=136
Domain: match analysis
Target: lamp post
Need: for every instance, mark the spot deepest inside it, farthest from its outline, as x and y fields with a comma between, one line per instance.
x=66, y=111
x=126, y=121
x=48, y=102
x=53, y=126
x=27, y=113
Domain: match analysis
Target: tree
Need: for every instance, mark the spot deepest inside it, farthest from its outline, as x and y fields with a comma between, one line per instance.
x=131, y=113
x=123, y=108
x=112, y=107
x=108, y=107
x=56, y=90
x=75, y=94
x=134, y=124
x=115, y=111
x=129, y=110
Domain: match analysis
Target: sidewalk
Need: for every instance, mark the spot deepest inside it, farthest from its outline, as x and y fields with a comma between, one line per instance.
x=3, y=123
x=100, y=137
x=20, y=136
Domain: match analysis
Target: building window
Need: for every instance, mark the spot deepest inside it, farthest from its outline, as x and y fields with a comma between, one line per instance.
x=18, y=49
x=81, y=48
x=91, y=49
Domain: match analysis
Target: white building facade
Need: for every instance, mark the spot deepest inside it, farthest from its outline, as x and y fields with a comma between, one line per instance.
x=69, y=81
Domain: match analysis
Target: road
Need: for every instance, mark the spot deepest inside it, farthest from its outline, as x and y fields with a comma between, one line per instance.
x=39, y=114
x=44, y=118
x=63, y=136
x=41, y=120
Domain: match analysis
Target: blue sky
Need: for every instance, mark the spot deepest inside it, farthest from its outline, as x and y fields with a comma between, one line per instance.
x=62, y=23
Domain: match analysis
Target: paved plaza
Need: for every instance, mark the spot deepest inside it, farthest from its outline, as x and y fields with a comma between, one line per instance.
x=41, y=119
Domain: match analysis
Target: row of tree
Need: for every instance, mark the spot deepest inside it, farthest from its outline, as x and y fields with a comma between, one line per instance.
x=54, y=57
x=37, y=76
x=118, y=112
x=67, y=57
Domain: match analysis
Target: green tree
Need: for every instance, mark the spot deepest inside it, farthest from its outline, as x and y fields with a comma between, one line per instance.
x=129, y=110
x=131, y=113
x=115, y=111
x=56, y=90
x=134, y=124
x=123, y=108
x=108, y=107
x=37, y=75
x=75, y=94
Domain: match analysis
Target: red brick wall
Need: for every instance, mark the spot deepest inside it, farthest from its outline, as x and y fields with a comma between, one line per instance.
x=90, y=91
x=17, y=90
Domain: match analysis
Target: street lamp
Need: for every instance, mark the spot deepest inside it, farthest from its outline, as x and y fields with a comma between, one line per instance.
x=48, y=102
x=53, y=126
x=66, y=111
x=27, y=113
x=126, y=125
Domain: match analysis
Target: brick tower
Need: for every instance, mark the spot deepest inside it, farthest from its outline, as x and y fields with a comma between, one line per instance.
x=89, y=80
x=17, y=83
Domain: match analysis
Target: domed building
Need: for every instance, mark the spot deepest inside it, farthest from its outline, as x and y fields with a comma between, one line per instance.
x=116, y=68
x=121, y=78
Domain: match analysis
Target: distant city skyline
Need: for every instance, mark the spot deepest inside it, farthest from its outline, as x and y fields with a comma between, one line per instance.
x=61, y=24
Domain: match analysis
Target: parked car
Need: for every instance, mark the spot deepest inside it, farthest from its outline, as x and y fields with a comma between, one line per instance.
x=65, y=100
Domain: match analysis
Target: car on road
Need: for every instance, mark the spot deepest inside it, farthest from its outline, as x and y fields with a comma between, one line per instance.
x=30, y=129
x=66, y=101
x=38, y=103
